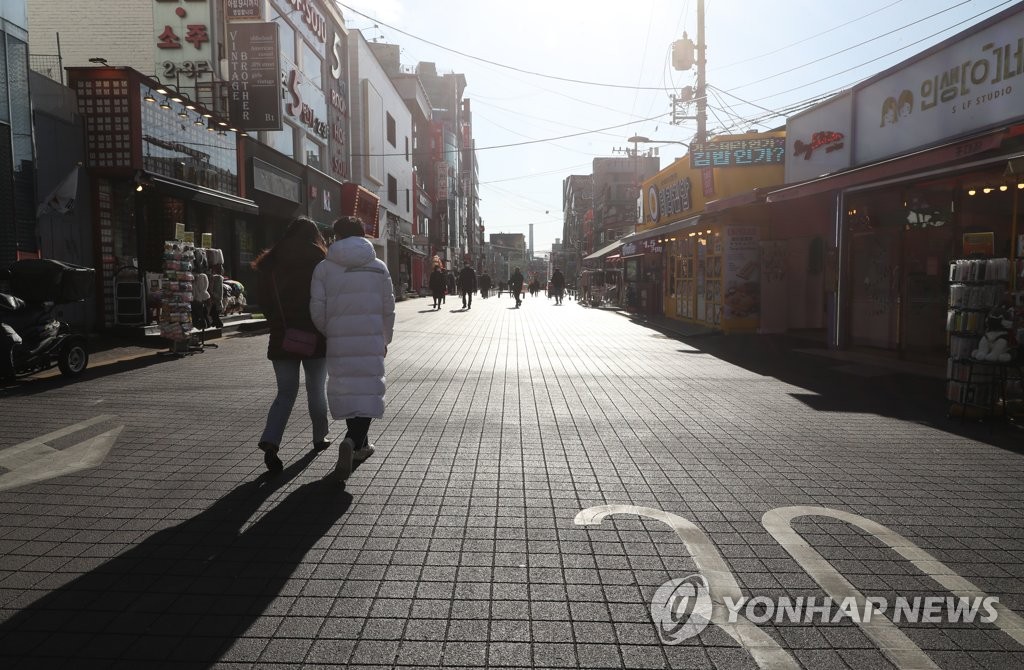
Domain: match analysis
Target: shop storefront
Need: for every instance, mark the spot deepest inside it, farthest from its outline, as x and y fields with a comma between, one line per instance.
x=700, y=250
x=930, y=170
x=160, y=167
x=278, y=186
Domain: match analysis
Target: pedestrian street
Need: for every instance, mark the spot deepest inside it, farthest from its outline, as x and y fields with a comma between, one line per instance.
x=540, y=475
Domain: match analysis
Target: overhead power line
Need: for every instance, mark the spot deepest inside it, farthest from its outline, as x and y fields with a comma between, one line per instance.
x=502, y=65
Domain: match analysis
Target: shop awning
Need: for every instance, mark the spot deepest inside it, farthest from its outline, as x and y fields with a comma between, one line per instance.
x=201, y=194
x=662, y=230
x=411, y=250
x=902, y=165
x=751, y=197
x=605, y=250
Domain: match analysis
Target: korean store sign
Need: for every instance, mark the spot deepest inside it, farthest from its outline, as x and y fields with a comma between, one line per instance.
x=974, y=83
x=182, y=47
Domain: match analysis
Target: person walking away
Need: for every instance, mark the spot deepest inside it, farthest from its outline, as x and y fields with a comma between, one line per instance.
x=437, y=285
x=485, y=285
x=284, y=274
x=452, y=288
x=515, y=286
x=558, y=285
x=352, y=302
x=467, y=285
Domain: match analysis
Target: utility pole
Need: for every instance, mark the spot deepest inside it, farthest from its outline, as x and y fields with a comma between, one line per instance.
x=686, y=54
x=702, y=92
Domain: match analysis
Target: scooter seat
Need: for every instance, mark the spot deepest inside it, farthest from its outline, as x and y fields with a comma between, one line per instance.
x=11, y=303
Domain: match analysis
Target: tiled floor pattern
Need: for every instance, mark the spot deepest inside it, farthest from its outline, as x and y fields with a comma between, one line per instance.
x=455, y=544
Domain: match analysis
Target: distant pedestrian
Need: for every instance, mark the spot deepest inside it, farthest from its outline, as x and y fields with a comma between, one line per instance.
x=515, y=286
x=467, y=285
x=353, y=304
x=501, y=288
x=485, y=284
x=558, y=285
x=452, y=285
x=437, y=283
x=284, y=282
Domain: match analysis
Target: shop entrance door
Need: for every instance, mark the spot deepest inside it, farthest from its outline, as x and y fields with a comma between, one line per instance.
x=926, y=256
x=875, y=288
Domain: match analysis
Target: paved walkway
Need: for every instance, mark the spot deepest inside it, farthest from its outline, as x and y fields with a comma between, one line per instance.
x=137, y=528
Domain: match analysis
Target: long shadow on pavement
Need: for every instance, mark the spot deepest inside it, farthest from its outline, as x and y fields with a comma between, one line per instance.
x=185, y=594
x=897, y=395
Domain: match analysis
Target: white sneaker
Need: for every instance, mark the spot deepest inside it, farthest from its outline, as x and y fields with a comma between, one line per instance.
x=344, y=467
x=360, y=455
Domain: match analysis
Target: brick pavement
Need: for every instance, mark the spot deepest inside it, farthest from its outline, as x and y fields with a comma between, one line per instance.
x=455, y=545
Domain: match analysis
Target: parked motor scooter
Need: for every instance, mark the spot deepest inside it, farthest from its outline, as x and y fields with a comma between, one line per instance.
x=32, y=339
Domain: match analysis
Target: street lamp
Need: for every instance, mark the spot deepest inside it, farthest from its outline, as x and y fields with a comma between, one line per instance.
x=640, y=139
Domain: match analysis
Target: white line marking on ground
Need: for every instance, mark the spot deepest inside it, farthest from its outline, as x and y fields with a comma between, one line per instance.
x=35, y=460
x=900, y=650
x=721, y=581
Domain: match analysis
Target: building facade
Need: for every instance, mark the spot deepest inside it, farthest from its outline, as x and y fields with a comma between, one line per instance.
x=17, y=146
x=382, y=148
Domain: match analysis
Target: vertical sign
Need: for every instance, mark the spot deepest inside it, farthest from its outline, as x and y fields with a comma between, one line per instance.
x=254, y=100
x=183, y=51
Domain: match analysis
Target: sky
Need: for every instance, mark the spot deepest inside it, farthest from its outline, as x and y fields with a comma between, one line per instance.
x=554, y=84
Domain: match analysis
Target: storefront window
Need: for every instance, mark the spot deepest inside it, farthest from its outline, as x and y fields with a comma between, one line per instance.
x=178, y=143
x=313, y=152
x=285, y=36
x=283, y=140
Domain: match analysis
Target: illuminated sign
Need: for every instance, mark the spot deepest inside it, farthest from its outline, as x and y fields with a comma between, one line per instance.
x=748, y=152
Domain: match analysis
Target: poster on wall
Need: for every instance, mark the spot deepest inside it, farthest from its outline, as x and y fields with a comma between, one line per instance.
x=979, y=244
x=742, y=287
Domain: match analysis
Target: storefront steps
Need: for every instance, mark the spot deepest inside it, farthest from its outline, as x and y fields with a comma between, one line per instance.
x=232, y=322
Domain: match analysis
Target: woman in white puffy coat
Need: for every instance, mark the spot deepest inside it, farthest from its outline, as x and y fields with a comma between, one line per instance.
x=352, y=302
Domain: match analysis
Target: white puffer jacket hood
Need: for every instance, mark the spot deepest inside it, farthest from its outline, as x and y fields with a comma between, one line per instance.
x=352, y=302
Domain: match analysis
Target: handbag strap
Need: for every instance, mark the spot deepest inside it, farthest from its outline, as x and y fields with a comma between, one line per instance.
x=277, y=297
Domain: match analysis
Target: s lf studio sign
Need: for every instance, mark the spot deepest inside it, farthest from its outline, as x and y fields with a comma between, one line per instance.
x=254, y=64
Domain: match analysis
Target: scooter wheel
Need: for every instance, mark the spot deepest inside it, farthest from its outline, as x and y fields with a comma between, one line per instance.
x=74, y=358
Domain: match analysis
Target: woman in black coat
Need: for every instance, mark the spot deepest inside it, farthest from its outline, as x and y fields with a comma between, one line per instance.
x=285, y=272
x=437, y=286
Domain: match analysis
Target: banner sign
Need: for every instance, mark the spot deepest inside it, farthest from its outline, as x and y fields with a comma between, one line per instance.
x=254, y=66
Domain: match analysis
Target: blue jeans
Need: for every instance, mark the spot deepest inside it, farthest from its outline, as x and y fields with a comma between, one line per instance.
x=287, y=373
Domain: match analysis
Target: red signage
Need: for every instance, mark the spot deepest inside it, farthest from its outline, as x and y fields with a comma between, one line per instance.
x=359, y=202
x=830, y=139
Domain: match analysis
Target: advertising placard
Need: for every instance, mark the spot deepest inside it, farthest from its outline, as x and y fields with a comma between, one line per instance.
x=742, y=298
x=254, y=66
